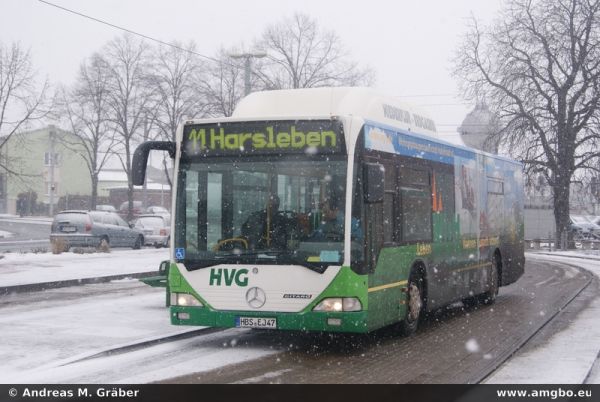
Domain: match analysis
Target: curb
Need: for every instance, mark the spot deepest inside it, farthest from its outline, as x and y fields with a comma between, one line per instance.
x=37, y=287
x=581, y=257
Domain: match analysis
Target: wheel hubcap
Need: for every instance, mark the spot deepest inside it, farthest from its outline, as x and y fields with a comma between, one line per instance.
x=414, y=302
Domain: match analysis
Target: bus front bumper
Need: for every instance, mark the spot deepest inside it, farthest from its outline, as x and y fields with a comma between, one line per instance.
x=355, y=322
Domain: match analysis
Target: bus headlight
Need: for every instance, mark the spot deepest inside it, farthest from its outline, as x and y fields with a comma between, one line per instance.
x=184, y=299
x=335, y=304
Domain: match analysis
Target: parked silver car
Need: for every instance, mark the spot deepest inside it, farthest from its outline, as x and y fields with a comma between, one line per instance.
x=156, y=229
x=106, y=207
x=583, y=227
x=157, y=210
x=95, y=229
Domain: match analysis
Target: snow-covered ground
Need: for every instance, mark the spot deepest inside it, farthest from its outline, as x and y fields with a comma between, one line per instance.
x=4, y=234
x=569, y=355
x=41, y=345
x=22, y=269
x=42, y=339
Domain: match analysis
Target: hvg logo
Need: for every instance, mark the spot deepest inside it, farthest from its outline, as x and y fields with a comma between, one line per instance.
x=240, y=276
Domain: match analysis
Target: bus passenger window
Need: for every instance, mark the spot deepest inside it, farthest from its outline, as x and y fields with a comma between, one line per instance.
x=415, y=196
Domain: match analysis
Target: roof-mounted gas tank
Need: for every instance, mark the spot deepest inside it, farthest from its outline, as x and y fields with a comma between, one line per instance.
x=338, y=101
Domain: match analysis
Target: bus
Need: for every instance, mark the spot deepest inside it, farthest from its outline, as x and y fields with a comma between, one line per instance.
x=333, y=209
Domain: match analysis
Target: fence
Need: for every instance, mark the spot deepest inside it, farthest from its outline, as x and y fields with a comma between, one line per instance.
x=550, y=244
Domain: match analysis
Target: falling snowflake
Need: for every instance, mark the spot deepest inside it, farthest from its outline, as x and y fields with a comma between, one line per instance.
x=472, y=346
x=311, y=151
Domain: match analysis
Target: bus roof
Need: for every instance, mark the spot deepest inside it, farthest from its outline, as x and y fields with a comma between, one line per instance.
x=337, y=101
x=327, y=102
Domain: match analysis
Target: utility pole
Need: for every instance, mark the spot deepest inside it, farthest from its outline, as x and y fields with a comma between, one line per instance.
x=52, y=161
x=145, y=187
x=248, y=67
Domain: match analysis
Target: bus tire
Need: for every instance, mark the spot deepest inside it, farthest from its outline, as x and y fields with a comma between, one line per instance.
x=489, y=297
x=414, y=304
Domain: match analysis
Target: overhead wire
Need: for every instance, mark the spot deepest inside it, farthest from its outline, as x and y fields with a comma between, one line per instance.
x=98, y=20
x=134, y=32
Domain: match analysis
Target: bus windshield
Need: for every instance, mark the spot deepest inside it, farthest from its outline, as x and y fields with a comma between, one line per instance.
x=279, y=210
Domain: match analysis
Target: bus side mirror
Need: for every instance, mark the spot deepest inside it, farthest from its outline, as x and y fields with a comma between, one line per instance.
x=373, y=179
x=140, y=158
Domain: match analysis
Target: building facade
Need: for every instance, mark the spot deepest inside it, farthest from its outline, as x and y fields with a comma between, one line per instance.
x=45, y=167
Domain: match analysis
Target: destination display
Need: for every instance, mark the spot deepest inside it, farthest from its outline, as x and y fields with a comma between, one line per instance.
x=266, y=137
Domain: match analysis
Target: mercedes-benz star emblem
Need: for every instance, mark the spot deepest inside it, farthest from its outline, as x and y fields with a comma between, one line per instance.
x=256, y=297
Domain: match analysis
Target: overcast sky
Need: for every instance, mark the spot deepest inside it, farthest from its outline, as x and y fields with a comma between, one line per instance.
x=409, y=44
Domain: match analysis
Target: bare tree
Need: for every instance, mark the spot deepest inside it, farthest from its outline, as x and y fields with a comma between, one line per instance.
x=176, y=69
x=302, y=55
x=538, y=67
x=130, y=96
x=222, y=84
x=86, y=109
x=22, y=101
x=175, y=73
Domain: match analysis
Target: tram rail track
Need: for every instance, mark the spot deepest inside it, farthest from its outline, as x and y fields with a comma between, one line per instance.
x=551, y=317
x=135, y=346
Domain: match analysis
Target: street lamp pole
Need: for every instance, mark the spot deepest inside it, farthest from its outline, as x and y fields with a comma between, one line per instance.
x=248, y=67
x=52, y=136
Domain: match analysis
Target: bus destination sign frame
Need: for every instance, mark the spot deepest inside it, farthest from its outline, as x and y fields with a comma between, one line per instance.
x=274, y=137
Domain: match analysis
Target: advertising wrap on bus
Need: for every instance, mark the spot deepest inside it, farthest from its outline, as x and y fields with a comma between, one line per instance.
x=264, y=137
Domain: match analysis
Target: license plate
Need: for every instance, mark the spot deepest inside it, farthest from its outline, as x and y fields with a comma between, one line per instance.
x=68, y=229
x=255, y=322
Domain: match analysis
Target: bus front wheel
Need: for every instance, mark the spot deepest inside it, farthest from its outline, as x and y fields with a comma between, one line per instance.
x=414, y=305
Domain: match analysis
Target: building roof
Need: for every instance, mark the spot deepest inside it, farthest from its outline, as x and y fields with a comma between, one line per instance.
x=478, y=126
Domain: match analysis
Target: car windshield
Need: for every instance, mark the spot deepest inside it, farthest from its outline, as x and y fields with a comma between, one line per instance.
x=282, y=211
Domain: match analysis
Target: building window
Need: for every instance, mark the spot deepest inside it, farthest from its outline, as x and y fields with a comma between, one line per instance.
x=51, y=159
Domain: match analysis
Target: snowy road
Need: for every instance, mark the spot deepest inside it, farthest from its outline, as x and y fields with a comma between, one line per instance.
x=46, y=332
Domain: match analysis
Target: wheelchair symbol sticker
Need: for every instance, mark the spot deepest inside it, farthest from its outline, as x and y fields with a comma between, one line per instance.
x=179, y=253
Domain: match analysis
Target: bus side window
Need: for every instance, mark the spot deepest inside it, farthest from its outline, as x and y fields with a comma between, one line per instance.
x=389, y=204
x=415, y=199
x=443, y=205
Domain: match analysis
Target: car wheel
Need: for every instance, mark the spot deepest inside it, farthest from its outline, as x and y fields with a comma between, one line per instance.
x=139, y=241
x=104, y=244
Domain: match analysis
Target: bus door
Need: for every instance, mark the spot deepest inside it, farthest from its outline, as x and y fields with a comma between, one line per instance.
x=445, y=233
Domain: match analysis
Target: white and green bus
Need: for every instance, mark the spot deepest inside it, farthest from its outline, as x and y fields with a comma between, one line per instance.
x=333, y=209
